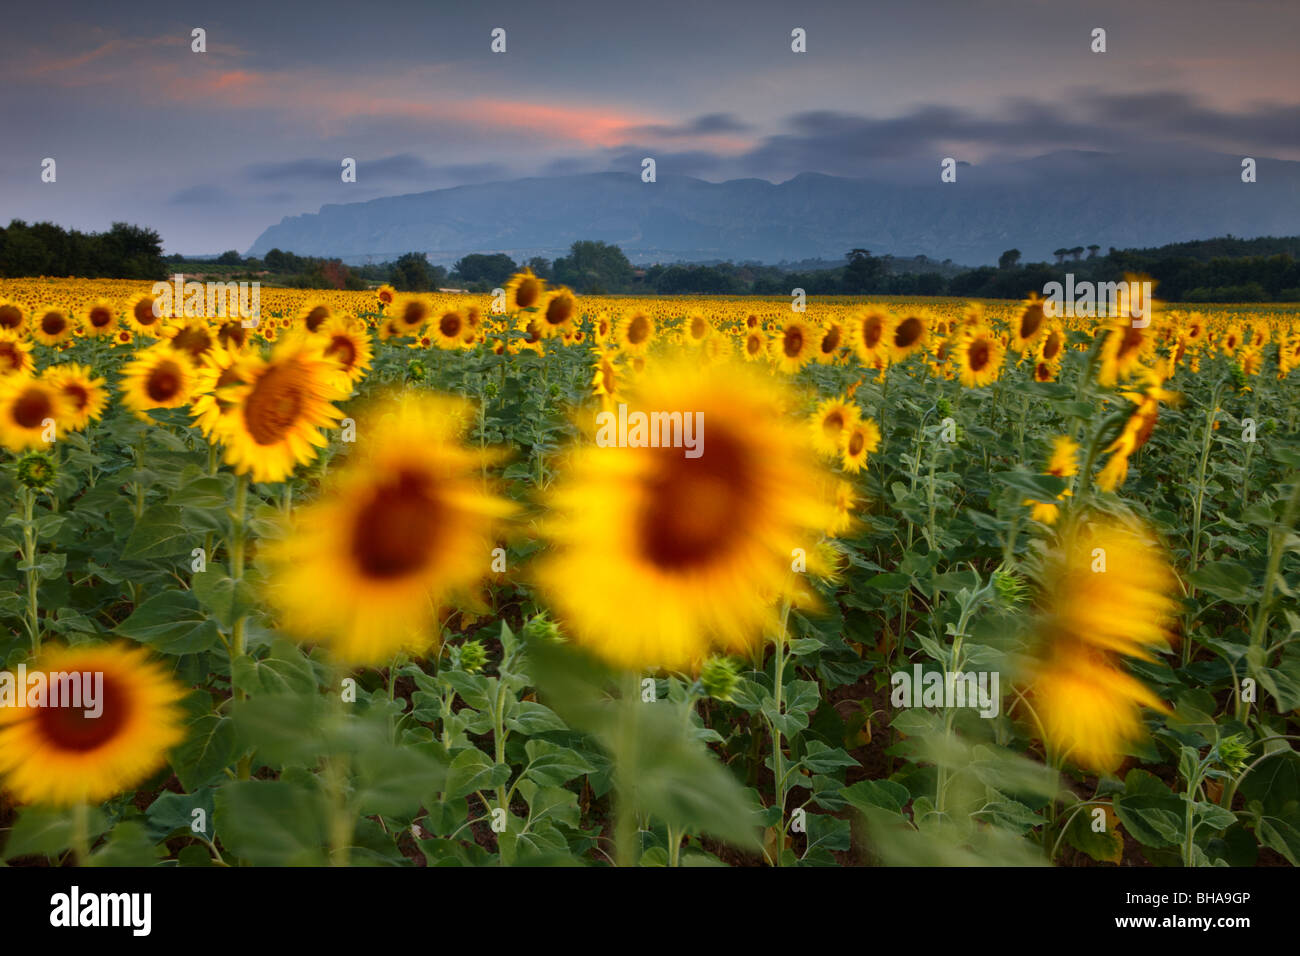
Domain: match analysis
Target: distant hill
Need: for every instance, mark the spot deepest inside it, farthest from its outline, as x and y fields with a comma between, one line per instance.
x=1059, y=200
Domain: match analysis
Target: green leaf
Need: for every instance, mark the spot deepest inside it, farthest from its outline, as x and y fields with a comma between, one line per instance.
x=271, y=822
x=161, y=532
x=1228, y=580
x=172, y=623
x=221, y=595
x=47, y=831
x=881, y=794
x=551, y=765
x=1150, y=811
x=208, y=748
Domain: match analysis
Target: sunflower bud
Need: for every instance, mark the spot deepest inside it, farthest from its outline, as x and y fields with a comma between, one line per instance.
x=1010, y=587
x=473, y=655
x=720, y=677
x=944, y=408
x=416, y=371
x=1238, y=376
x=36, y=470
x=540, y=627
x=1233, y=754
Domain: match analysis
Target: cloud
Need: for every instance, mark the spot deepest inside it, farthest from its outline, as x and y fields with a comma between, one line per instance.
x=201, y=195
x=707, y=125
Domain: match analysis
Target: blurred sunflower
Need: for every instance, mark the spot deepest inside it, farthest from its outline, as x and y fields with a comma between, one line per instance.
x=280, y=406
x=1123, y=350
x=51, y=325
x=449, y=330
x=832, y=340
x=607, y=381
x=635, y=332
x=755, y=346
x=906, y=335
x=31, y=412
x=12, y=318
x=1029, y=324
x=410, y=314
x=142, y=316
x=867, y=336
x=314, y=315
x=1108, y=592
x=218, y=371
x=86, y=395
x=794, y=346
x=859, y=441
x=1064, y=463
x=558, y=311
x=698, y=328
x=348, y=344
x=385, y=295
x=524, y=291
x=193, y=336
x=678, y=554
x=157, y=377
x=15, y=354
x=832, y=420
x=978, y=356
x=403, y=528
x=99, y=318
x=60, y=756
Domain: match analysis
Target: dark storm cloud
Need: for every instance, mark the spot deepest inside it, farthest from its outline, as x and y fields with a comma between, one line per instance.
x=202, y=195
x=835, y=142
x=708, y=124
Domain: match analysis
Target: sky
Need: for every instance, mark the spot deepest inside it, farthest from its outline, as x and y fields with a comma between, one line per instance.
x=211, y=148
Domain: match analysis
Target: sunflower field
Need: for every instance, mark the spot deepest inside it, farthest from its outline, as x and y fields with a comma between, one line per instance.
x=437, y=579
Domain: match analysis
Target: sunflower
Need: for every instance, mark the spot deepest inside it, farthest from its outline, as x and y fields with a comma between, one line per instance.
x=232, y=335
x=755, y=345
x=859, y=441
x=86, y=395
x=314, y=315
x=524, y=291
x=1064, y=463
x=32, y=413
x=1108, y=592
x=1089, y=707
x=677, y=554
x=65, y=755
x=1123, y=350
x=219, y=370
x=1231, y=339
x=635, y=332
x=399, y=532
x=534, y=339
x=281, y=405
x=123, y=337
x=832, y=339
x=99, y=319
x=844, y=500
x=698, y=328
x=193, y=337
x=15, y=354
x=867, y=336
x=1135, y=433
x=142, y=314
x=410, y=315
x=12, y=318
x=348, y=344
x=602, y=329
x=51, y=325
x=558, y=311
x=906, y=335
x=978, y=356
x=385, y=295
x=831, y=422
x=607, y=382
x=794, y=346
x=158, y=377
x=1052, y=347
x=1029, y=324
x=449, y=330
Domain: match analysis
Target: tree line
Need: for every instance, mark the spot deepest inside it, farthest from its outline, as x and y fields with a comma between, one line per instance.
x=1225, y=269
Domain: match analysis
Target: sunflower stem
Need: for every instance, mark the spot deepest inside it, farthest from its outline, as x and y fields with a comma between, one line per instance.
x=33, y=575
x=625, y=760
x=238, y=516
x=778, y=686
